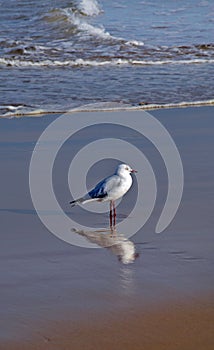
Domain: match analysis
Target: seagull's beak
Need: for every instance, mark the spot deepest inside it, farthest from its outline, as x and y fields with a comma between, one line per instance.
x=133, y=171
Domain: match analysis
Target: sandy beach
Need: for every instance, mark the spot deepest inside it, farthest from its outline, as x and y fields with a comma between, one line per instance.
x=58, y=296
x=184, y=325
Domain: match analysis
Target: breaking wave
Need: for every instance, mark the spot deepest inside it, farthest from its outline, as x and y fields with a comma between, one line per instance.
x=79, y=18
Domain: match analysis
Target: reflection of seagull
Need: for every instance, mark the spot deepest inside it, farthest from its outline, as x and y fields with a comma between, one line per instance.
x=110, y=189
x=122, y=247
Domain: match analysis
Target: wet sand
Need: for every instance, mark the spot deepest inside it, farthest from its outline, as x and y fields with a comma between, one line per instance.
x=183, y=325
x=54, y=295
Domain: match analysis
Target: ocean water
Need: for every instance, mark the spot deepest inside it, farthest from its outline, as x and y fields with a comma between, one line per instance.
x=58, y=55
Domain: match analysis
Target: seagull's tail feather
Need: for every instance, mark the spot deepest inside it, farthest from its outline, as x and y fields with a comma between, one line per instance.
x=82, y=200
x=89, y=200
x=75, y=202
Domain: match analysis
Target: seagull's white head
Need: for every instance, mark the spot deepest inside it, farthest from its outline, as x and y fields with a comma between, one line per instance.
x=124, y=170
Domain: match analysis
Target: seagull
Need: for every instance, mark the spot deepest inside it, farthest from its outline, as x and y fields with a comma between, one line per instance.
x=110, y=189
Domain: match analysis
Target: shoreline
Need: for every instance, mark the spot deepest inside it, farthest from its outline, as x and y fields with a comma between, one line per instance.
x=89, y=108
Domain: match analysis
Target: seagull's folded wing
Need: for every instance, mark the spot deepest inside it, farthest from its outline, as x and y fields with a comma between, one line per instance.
x=102, y=189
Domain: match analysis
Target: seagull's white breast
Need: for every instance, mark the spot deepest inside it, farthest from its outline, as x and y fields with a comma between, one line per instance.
x=122, y=187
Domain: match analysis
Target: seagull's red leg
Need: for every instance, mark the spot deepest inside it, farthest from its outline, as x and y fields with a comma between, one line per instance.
x=114, y=213
x=110, y=214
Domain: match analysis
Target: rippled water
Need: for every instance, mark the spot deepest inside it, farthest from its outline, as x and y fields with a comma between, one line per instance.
x=62, y=54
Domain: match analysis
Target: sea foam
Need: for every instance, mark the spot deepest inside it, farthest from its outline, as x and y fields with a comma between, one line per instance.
x=79, y=62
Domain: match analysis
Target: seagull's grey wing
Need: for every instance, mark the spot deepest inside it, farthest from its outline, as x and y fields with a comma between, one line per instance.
x=102, y=188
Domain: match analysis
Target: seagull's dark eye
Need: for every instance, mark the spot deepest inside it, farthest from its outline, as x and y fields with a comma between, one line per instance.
x=127, y=168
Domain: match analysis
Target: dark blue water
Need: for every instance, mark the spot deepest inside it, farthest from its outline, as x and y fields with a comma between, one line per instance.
x=62, y=54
